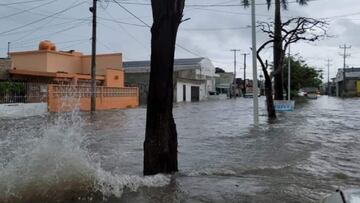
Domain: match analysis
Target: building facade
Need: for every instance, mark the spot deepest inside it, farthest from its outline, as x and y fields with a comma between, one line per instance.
x=350, y=87
x=51, y=75
x=194, y=78
x=224, y=83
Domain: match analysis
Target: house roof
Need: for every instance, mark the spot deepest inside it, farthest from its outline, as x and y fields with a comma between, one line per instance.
x=179, y=64
x=350, y=73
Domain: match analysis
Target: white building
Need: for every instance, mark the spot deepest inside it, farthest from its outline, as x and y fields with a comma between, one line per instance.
x=194, y=78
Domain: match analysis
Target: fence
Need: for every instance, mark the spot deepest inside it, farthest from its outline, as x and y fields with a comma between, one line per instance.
x=66, y=98
x=22, y=92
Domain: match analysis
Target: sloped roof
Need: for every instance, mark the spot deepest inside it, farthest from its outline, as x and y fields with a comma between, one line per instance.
x=179, y=64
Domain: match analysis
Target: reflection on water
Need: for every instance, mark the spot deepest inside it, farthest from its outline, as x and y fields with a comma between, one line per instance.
x=222, y=157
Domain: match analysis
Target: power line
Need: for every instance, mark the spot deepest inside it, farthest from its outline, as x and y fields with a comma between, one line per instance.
x=216, y=29
x=204, y=5
x=21, y=2
x=56, y=32
x=131, y=13
x=178, y=45
x=29, y=9
x=44, y=18
x=121, y=22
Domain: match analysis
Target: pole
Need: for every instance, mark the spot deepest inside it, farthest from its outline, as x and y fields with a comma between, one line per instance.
x=8, y=50
x=255, y=84
x=289, y=75
x=345, y=47
x=93, y=59
x=234, y=80
x=328, y=77
x=244, y=90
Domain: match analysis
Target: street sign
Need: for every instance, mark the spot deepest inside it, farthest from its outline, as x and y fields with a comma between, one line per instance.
x=284, y=105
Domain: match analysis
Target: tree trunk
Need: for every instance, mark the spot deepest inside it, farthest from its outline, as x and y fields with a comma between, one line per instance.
x=160, y=146
x=278, y=77
x=268, y=94
x=268, y=86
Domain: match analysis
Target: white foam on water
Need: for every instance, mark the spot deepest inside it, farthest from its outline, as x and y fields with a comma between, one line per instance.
x=210, y=171
x=57, y=166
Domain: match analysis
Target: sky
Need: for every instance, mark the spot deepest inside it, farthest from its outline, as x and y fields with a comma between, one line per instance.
x=213, y=29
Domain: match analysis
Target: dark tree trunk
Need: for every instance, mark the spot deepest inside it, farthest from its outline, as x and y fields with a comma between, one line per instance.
x=160, y=146
x=269, y=97
x=278, y=77
x=268, y=89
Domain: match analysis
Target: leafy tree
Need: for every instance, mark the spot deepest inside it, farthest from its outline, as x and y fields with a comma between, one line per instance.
x=219, y=70
x=160, y=146
x=302, y=75
x=278, y=52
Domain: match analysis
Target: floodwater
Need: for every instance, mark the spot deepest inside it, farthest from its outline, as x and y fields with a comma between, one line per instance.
x=301, y=157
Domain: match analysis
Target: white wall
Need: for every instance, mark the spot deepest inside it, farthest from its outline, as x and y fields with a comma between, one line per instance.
x=19, y=110
x=179, y=91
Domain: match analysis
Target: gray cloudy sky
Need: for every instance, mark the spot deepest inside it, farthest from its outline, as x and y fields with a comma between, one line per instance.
x=211, y=32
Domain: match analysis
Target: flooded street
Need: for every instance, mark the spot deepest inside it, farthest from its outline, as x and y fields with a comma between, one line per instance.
x=301, y=157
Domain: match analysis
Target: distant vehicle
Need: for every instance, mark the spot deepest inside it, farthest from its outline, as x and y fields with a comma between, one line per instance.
x=311, y=95
x=309, y=92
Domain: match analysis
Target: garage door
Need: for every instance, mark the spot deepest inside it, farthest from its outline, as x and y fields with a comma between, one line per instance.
x=195, y=93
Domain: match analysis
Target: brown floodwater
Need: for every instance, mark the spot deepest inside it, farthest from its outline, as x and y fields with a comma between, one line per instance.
x=301, y=157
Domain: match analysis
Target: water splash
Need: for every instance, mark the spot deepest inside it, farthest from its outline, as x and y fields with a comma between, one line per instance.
x=56, y=166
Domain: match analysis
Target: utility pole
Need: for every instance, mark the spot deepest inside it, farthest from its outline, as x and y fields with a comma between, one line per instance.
x=345, y=47
x=289, y=75
x=254, y=63
x=244, y=89
x=234, y=81
x=8, y=50
x=328, y=76
x=93, y=59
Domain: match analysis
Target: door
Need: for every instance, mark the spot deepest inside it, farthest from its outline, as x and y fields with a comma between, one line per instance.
x=195, y=93
x=184, y=93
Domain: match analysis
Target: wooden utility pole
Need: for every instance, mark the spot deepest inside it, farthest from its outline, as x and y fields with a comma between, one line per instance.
x=8, y=50
x=328, y=76
x=93, y=59
x=234, y=80
x=244, y=89
x=345, y=55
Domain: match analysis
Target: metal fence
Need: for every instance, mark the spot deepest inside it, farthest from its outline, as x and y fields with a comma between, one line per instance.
x=60, y=91
x=22, y=92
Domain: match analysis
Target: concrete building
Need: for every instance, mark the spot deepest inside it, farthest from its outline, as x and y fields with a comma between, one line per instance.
x=54, y=74
x=224, y=83
x=194, y=78
x=352, y=82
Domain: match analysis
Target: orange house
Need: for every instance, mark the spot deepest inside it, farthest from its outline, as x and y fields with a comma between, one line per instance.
x=68, y=74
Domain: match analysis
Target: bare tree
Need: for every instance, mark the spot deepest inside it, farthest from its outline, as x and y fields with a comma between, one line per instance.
x=160, y=146
x=277, y=43
x=293, y=30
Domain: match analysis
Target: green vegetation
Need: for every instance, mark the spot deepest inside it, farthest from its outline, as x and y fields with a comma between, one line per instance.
x=302, y=75
x=12, y=88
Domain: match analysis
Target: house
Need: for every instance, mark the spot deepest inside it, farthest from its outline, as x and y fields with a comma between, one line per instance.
x=50, y=75
x=351, y=86
x=194, y=78
x=224, y=82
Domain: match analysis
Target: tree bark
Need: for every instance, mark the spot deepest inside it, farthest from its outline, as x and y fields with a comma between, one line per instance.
x=268, y=86
x=278, y=77
x=160, y=146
